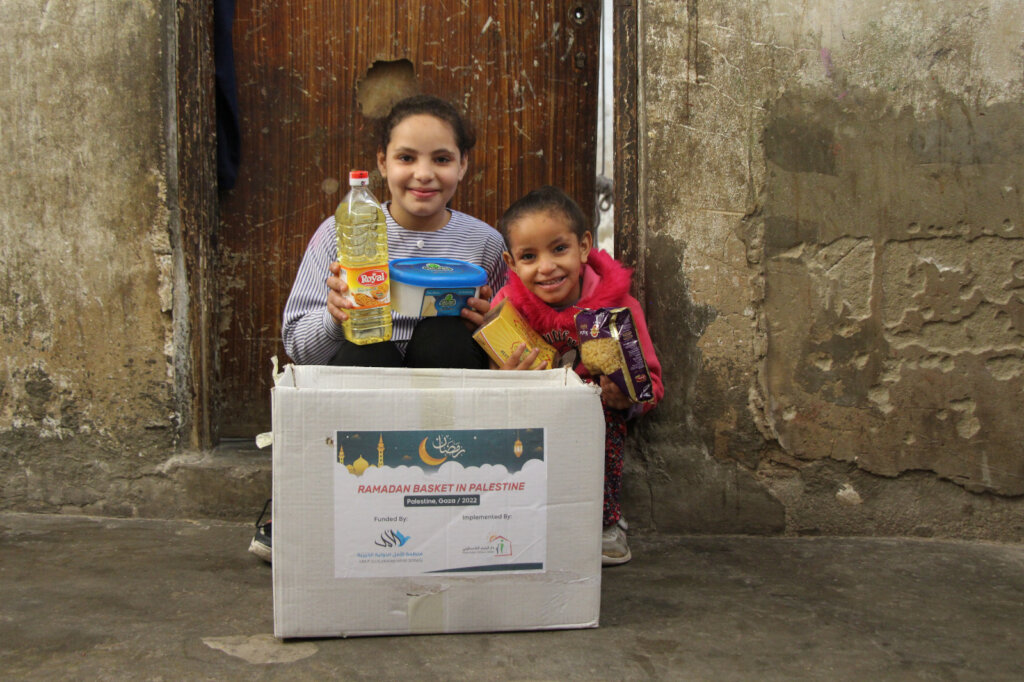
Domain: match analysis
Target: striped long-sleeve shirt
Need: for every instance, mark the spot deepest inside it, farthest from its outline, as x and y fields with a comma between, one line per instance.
x=312, y=337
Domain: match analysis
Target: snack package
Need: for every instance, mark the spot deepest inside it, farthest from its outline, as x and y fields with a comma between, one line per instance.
x=504, y=328
x=609, y=346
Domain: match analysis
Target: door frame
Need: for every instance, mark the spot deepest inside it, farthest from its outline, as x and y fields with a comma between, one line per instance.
x=628, y=238
x=193, y=200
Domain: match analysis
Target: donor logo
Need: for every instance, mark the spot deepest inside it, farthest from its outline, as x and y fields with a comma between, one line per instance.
x=392, y=538
x=371, y=277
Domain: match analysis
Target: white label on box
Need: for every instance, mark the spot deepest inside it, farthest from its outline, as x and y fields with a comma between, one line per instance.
x=410, y=503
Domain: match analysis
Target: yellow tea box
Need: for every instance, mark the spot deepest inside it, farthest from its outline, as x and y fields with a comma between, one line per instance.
x=504, y=328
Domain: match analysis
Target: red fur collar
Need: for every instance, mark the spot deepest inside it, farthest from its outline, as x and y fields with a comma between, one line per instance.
x=605, y=286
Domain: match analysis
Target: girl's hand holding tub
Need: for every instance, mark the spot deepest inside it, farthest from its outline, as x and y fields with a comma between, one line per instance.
x=477, y=307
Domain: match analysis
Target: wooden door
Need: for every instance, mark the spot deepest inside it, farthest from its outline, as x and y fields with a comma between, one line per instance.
x=312, y=79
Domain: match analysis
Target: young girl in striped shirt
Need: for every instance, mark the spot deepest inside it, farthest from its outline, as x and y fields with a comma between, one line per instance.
x=423, y=153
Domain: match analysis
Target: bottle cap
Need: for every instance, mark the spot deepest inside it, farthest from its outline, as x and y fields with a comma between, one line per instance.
x=358, y=177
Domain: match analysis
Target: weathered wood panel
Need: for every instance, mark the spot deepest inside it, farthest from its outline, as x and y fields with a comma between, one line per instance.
x=195, y=184
x=525, y=73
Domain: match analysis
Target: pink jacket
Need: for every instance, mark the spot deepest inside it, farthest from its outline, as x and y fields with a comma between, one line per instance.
x=605, y=285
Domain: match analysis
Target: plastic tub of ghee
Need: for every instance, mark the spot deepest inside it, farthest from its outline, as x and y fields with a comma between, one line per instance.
x=433, y=287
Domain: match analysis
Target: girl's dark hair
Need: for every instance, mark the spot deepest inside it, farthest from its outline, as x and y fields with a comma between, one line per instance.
x=465, y=137
x=546, y=199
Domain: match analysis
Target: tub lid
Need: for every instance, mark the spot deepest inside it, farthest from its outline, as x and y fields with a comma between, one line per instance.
x=429, y=272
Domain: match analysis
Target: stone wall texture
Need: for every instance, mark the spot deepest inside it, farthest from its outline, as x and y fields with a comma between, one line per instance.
x=832, y=247
x=86, y=385
x=835, y=187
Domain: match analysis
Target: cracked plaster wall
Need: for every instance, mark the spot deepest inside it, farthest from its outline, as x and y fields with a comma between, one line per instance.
x=831, y=194
x=835, y=190
x=86, y=395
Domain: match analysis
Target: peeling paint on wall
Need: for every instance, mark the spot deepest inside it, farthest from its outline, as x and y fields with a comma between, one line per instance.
x=384, y=84
x=842, y=342
x=845, y=180
x=85, y=302
x=903, y=296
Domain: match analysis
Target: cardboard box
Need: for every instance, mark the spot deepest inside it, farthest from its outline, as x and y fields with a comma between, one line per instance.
x=430, y=501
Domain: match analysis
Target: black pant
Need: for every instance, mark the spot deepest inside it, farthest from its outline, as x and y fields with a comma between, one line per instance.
x=435, y=342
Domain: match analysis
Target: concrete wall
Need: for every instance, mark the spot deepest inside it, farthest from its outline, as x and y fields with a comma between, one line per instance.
x=835, y=189
x=85, y=303
x=94, y=302
x=834, y=268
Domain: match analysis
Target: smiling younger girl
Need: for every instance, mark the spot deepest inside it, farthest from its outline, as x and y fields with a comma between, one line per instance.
x=554, y=271
x=423, y=153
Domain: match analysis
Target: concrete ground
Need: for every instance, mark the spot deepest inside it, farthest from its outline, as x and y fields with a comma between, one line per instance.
x=114, y=599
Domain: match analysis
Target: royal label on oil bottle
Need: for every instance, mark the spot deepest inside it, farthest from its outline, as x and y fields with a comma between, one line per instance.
x=369, y=287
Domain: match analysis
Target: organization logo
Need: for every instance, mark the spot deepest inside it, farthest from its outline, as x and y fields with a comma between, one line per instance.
x=496, y=545
x=501, y=545
x=392, y=538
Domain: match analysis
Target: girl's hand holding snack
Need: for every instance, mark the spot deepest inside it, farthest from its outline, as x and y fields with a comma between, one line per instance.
x=520, y=359
x=612, y=395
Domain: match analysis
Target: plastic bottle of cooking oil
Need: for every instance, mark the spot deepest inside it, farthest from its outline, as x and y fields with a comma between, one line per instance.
x=363, y=254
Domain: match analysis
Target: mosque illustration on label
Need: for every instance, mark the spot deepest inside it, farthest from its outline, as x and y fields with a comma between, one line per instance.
x=428, y=450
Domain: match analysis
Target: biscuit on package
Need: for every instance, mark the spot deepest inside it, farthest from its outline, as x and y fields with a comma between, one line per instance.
x=609, y=346
x=503, y=329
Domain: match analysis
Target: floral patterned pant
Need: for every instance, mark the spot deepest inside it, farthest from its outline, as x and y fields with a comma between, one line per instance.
x=614, y=449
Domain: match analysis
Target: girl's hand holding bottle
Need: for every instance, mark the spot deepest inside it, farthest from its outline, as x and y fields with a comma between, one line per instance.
x=338, y=298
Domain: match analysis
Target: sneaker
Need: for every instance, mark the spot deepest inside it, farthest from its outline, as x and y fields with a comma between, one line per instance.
x=614, y=547
x=260, y=544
